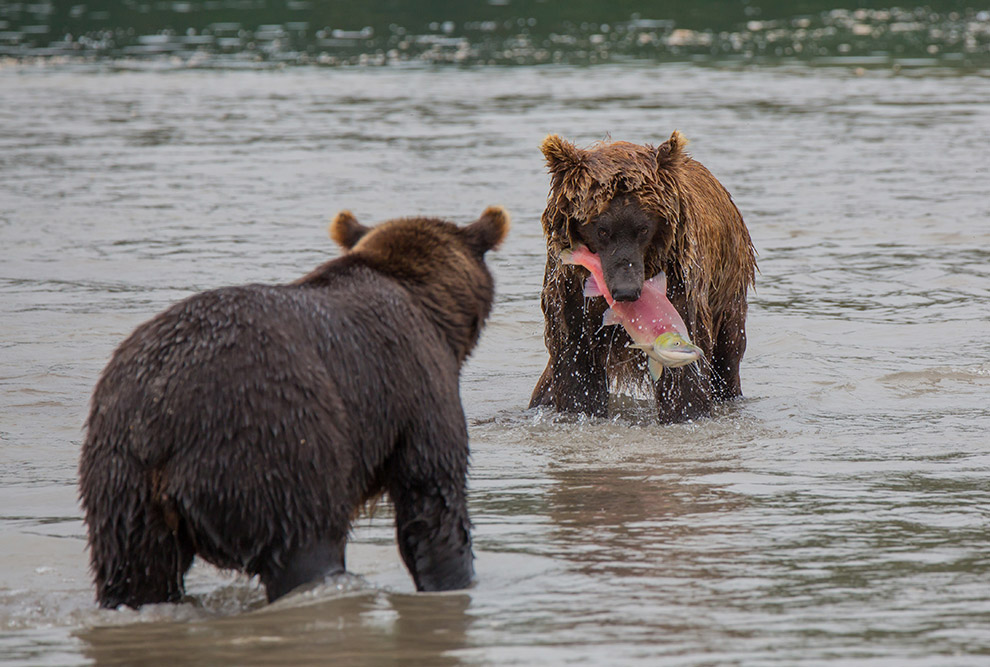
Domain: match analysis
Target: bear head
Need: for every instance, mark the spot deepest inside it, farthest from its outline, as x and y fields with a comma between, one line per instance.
x=440, y=263
x=622, y=200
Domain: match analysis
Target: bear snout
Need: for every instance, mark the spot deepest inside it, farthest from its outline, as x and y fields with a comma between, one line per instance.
x=624, y=279
x=626, y=293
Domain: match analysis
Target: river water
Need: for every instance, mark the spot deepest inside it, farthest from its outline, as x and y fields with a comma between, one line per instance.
x=838, y=514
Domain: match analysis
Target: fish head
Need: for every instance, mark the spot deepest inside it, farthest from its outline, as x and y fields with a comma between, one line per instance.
x=673, y=350
x=621, y=236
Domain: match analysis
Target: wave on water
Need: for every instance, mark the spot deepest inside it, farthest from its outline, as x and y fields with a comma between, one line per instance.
x=211, y=594
x=938, y=380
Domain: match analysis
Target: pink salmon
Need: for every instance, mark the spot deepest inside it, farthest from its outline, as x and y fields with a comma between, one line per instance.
x=651, y=321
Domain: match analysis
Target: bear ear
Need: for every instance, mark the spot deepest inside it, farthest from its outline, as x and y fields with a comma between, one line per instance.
x=671, y=149
x=560, y=153
x=346, y=230
x=488, y=231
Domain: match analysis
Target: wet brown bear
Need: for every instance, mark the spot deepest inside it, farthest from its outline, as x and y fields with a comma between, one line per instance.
x=642, y=209
x=247, y=424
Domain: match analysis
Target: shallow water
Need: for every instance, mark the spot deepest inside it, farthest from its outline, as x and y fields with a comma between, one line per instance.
x=837, y=514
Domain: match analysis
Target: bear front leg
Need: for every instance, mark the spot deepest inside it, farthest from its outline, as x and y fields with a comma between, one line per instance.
x=427, y=484
x=575, y=379
x=683, y=394
x=303, y=565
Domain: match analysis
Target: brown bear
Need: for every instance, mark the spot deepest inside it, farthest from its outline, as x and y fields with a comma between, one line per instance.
x=643, y=210
x=247, y=425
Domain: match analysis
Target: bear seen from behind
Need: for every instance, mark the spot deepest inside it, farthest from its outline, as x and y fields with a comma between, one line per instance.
x=247, y=425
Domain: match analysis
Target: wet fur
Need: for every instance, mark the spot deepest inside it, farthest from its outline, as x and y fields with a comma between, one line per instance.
x=702, y=244
x=246, y=425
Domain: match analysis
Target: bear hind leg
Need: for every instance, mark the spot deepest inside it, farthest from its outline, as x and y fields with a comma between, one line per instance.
x=730, y=344
x=137, y=553
x=542, y=392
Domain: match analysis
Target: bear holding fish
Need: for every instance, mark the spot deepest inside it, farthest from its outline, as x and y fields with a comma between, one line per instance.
x=641, y=212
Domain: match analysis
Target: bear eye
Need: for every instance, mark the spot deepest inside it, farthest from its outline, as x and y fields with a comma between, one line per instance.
x=643, y=231
x=603, y=234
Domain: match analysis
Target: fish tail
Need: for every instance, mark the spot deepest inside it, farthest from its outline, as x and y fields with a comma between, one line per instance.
x=591, y=288
x=610, y=318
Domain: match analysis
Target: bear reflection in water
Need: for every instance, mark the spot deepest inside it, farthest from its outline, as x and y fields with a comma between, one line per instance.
x=247, y=425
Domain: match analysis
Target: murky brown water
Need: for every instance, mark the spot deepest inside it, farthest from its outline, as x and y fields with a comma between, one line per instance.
x=838, y=514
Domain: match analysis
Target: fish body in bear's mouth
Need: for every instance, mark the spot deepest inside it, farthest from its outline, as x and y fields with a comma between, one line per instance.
x=651, y=320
